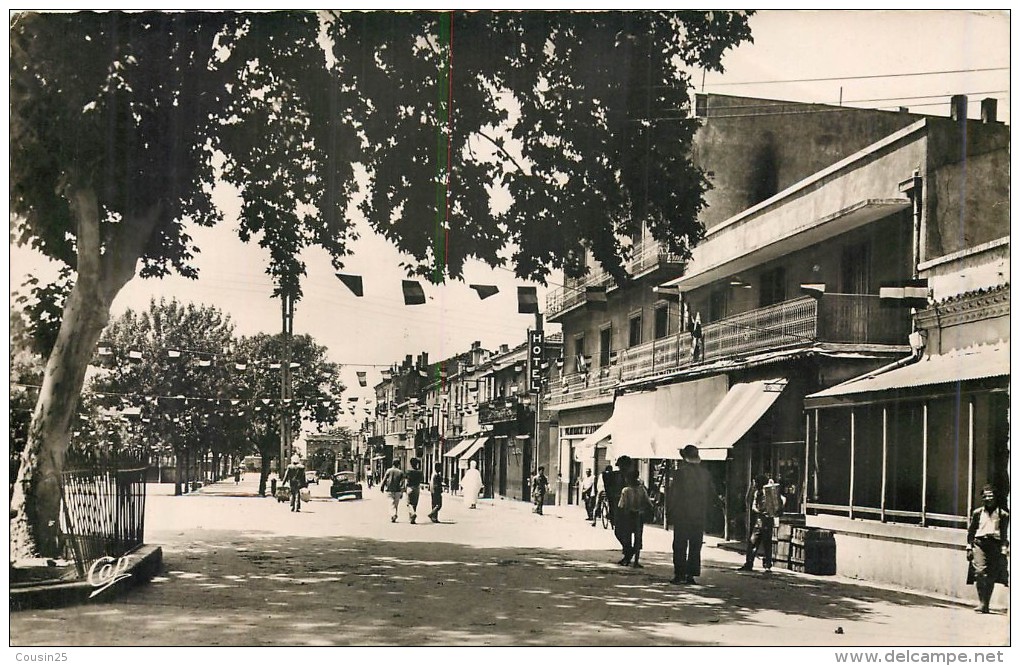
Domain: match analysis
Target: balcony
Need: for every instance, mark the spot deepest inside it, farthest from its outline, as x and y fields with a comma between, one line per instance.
x=647, y=256
x=835, y=318
x=595, y=387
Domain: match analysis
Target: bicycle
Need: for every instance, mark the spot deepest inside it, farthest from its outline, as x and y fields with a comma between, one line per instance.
x=602, y=510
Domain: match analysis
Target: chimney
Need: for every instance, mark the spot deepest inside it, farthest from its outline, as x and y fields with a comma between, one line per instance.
x=958, y=107
x=904, y=109
x=989, y=108
x=424, y=359
x=407, y=361
x=504, y=349
x=476, y=344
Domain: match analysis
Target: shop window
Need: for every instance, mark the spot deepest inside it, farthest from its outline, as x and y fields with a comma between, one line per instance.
x=661, y=320
x=634, y=337
x=773, y=287
x=991, y=443
x=905, y=457
x=868, y=457
x=948, y=454
x=832, y=456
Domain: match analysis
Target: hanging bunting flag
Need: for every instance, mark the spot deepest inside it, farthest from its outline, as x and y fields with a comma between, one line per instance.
x=485, y=290
x=595, y=297
x=413, y=293
x=813, y=289
x=173, y=353
x=353, y=399
x=327, y=403
x=275, y=366
x=353, y=283
x=266, y=401
x=235, y=402
x=258, y=409
x=135, y=356
x=294, y=365
x=362, y=379
x=105, y=351
x=559, y=363
x=527, y=300
x=241, y=366
x=424, y=373
x=204, y=363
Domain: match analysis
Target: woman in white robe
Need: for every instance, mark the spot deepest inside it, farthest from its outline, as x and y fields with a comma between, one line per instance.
x=471, y=484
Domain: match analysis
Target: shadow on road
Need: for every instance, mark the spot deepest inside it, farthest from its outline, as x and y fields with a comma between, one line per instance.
x=252, y=589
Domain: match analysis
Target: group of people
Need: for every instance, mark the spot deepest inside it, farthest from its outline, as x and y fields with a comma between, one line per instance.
x=398, y=484
x=690, y=494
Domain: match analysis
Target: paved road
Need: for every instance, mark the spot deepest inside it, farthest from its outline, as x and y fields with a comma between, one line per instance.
x=244, y=570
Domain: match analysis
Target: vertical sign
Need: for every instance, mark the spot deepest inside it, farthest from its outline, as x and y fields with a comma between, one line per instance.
x=536, y=349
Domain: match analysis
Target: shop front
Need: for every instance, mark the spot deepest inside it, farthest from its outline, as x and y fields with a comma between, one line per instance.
x=510, y=428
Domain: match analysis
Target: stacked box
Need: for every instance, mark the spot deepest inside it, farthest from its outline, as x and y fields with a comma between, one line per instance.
x=813, y=551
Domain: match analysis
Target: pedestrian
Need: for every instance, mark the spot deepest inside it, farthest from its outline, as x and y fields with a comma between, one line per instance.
x=588, y=494
x=539, y=487
x=612, y=484
x=294, y=477
x=687, y=505
x=437, y=495
x=272, y=483
x=412, y=485
x=471, y=484
x=762, y=515
x=393, y=485
x=237, y=476
x=987, y=547
x=634, y=507
x=369, y=477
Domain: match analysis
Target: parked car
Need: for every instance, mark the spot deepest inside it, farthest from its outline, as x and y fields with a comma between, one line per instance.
x=345, y=484
x=312, y=476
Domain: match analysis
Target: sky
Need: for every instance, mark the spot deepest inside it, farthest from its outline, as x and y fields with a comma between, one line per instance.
x=874, y=59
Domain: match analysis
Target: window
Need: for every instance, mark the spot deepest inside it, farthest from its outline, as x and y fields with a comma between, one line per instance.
x=661, y=320
x=578, y=350
x=905, y=456
x=635, y=330
x=773, y=287
x=605, y=345
x=718, y=302
x=948, y=453
x=832, y=456
x=868, y=457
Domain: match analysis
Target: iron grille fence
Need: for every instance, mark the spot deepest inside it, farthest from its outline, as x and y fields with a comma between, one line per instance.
x=103, y=513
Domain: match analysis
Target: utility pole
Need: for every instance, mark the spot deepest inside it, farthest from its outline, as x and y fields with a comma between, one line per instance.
x=287, y=301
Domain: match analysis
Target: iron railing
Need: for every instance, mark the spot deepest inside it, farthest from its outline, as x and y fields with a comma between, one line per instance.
x=646, y=256
x=102, y=513
x=835, y=318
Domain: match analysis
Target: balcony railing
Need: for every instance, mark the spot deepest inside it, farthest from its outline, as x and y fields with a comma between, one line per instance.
x=595, y=385
x=646, y=256
x=836, y=318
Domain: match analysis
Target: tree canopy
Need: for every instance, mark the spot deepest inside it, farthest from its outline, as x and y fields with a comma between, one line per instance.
x=545, y=132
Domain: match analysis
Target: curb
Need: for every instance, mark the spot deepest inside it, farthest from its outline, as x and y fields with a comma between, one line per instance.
x=144, y=562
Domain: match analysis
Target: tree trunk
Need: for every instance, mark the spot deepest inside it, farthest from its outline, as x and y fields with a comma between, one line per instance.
x=101, y=273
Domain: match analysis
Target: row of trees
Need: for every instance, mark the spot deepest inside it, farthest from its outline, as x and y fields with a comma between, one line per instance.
x=162, y=406
x=121, y=124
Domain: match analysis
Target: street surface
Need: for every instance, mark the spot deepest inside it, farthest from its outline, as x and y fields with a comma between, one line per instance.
x=242, y=570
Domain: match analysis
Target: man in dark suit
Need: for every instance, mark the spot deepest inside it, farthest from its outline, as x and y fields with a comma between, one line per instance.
x=690, y=491
x=987, y=546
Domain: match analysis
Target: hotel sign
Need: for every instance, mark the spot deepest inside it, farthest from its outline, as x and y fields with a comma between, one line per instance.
x=536, y=350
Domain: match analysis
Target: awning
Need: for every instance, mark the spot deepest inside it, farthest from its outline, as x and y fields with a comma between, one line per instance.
x=743, y=405
x=585, y=449
x=969, y=363
x=656, y=424
x=461, y=447
x=478, y=444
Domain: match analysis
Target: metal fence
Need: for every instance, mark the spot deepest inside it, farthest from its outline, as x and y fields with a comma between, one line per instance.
x=102, y=513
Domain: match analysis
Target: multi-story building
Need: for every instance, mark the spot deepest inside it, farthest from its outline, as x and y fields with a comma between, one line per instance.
x=898, y=457
x=844, y=200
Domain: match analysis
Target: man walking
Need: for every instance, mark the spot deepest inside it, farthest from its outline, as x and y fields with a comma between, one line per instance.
x=987, y=546
x=588, y=494
x=539, y=486
x=393, y=485
x=762, y=522
x=437, y=495
x=687, y=506
x=294, y=477
x=412, y=484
